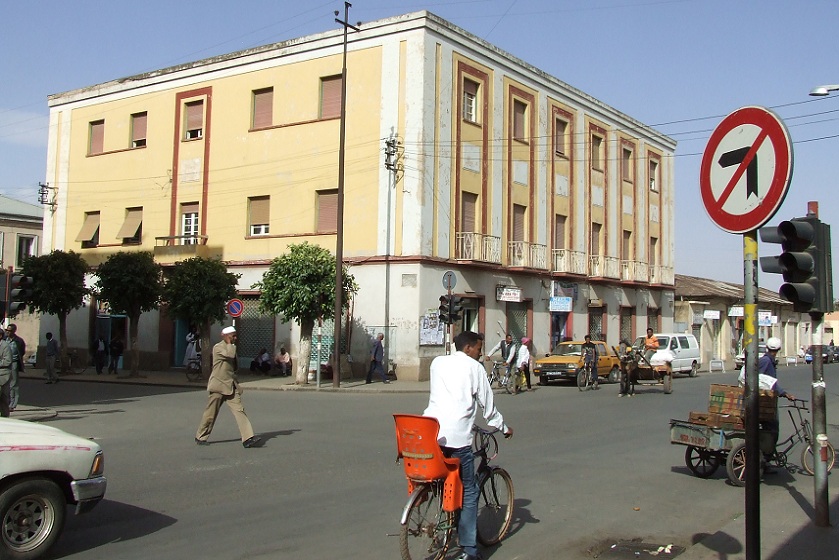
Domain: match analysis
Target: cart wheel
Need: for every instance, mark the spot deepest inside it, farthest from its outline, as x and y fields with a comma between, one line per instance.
x=668, y=383
x=701, y=462
x=735, y=464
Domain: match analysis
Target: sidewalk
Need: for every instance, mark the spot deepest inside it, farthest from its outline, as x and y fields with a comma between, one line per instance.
x=787, y=531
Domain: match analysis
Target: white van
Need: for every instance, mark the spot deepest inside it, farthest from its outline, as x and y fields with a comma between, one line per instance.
x=684, y=347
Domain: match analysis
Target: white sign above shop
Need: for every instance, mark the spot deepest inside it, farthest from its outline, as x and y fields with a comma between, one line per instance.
x=507, y=293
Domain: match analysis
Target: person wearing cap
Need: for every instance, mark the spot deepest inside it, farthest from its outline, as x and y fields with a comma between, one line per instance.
x=523, y=361
x=223, y=387
x=458, y=387
x=766, y=366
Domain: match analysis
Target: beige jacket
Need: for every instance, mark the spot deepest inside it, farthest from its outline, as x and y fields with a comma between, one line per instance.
x=223, y=378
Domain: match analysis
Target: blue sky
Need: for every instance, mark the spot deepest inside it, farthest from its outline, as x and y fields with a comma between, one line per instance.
x=677, y=65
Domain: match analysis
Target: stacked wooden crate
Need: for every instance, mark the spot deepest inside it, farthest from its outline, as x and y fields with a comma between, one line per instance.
x=727, y=408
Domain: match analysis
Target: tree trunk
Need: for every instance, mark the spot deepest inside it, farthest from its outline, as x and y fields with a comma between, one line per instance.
x=206, y=350
x=306, y=327
x=133, y=324
x=64, y=363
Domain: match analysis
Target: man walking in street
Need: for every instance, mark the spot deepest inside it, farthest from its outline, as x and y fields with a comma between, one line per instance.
x=224, y=388
x=116, y=349
x=51, y=351
x=377, y=356
x=458, y=386
x=5, y=374
x=18, y=350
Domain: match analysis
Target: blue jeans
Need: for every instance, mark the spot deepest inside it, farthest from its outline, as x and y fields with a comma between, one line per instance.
x=467, y=528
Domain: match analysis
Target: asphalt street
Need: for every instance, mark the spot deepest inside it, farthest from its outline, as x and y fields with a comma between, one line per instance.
x=590, y=471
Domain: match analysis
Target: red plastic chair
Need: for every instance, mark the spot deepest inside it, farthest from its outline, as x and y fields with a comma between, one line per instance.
x=423, y=460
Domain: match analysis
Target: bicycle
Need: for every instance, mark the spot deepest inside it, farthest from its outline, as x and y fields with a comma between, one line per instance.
x=736, y=462
x=71, y=364
x=502, y=375
x=586, y=378
x=193, y=368
x=431, y=514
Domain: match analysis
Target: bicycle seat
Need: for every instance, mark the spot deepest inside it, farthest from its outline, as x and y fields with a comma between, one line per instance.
x=423, y=460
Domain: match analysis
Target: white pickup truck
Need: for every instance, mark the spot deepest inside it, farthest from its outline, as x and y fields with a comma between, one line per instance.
x=42, y=470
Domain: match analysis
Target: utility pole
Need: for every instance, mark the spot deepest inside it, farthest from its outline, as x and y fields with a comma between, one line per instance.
x=339, y=237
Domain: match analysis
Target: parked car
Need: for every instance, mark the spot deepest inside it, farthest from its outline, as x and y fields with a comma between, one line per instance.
x=740, y=359
x=567, y=359
x=827, y=356
x=42, y=470
x=685, y=348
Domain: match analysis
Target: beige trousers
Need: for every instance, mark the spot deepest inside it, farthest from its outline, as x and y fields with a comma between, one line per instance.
x=234, y=401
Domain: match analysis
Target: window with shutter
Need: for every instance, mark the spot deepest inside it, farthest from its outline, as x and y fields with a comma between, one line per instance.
x=560, y=129
x=138, y=130
x=519, y=112
x=263, y=108
x=97, y=137
x=89, y=234
x=131, y=231
x=194, y=120
x=327, y=219
x=470, y=203
x=330, y=97
x=559, y=232
x=259, y=209
x=470, y=101
x=189, y=223
x=518, y=222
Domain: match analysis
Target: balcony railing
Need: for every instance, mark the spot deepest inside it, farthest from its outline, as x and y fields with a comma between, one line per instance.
x=529, y=255
x=662, y=275
x=572, y=262
x=612, y=266
x=633, y=271
x=175, y=248
x=477, y=247
x=595, y=265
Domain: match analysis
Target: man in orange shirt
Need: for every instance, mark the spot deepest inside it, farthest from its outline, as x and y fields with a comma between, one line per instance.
x=650, y=345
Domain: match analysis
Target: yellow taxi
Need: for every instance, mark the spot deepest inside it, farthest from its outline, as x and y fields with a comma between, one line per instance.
x=566, y=360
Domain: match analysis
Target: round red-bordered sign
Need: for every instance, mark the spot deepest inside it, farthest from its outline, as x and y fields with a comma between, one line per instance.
x=235, y=307
x=746, y=169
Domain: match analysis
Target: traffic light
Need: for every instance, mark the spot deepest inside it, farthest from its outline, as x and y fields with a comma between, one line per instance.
x=455, y=308
x=805, y=263
x=445, y=305
x=20, y=290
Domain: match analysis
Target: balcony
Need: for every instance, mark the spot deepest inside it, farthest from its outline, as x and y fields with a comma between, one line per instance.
x=612, y=267
x=173, y=248
x=527, y=255
x=632, y=271
x=571, y=262
x=477, y=247
x=662, y=275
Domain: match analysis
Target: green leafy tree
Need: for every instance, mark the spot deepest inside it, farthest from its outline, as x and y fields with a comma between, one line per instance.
x=300, y=286
x=131, y=283
x=58, y=288
x=197, y=290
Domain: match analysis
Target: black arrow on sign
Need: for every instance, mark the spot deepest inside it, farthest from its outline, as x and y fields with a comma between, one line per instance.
x=735, y=157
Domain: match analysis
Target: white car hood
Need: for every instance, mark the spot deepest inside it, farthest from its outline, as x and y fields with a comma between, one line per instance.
x=17, y=433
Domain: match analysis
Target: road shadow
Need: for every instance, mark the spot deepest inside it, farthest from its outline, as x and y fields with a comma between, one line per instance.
x=109, y=522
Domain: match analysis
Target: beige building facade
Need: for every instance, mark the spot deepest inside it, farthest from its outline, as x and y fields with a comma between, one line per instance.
x=553, y=210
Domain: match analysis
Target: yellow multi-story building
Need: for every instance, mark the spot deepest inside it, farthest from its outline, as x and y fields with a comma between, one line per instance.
x=553, y=210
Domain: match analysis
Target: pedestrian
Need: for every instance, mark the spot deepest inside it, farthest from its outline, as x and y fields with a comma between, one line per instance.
x=766, y=366
x=5, y=374
x=458, y=386
x=224, y=388
x=193, y=345
x=18, y=351
x=115, y=348
x=590, y=358
x=282, y=361
x=507, y=349
x=377, y=356
x=650, y=345
x=100, y=354
x=523, y=361
x=262, y=361
x=51, y=351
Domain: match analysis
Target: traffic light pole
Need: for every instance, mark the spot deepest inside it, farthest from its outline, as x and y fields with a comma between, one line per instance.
x=753, y=455
x=819, y=443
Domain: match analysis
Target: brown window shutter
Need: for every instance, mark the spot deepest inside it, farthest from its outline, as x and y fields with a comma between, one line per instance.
x=330, y=101
x=97, y=137
x=133, y=221
x=91, y=224
x=263, y=108
x=138, y=128
x=470, y=87
x=327, y=210
x=518, y=120
x=470, y=203
x=559, y=232
x=260, y=210
x=194, y=115
x=518, y=222
x=189, y=208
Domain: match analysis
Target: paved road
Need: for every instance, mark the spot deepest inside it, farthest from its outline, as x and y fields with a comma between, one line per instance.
x=589, y=470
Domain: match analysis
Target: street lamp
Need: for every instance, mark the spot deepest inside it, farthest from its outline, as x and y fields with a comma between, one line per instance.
x=821, y=91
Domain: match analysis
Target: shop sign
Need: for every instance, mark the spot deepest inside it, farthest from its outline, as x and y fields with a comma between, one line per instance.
x=507, y=293
x=560, y=304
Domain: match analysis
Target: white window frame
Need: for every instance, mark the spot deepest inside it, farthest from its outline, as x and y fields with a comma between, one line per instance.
x=259, y=229
x=189, y=227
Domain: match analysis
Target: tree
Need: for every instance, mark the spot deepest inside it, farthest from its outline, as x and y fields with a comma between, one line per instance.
x=300, y=286
x=131, y=283
x=58, y=287
x=196, y=290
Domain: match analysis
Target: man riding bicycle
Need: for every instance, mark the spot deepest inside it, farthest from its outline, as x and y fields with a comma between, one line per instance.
x=508, y=351
x=458, y=384
x=590, y=357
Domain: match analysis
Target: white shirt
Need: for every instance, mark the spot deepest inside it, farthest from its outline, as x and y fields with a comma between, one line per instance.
x=458, y=384
x=523, y=356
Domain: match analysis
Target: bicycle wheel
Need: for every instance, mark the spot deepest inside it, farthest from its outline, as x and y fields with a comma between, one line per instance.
x=427, y=529
x=508, y=383
x=582, y=379
x=495, y=506
x=193, y=371
x=807, y=459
